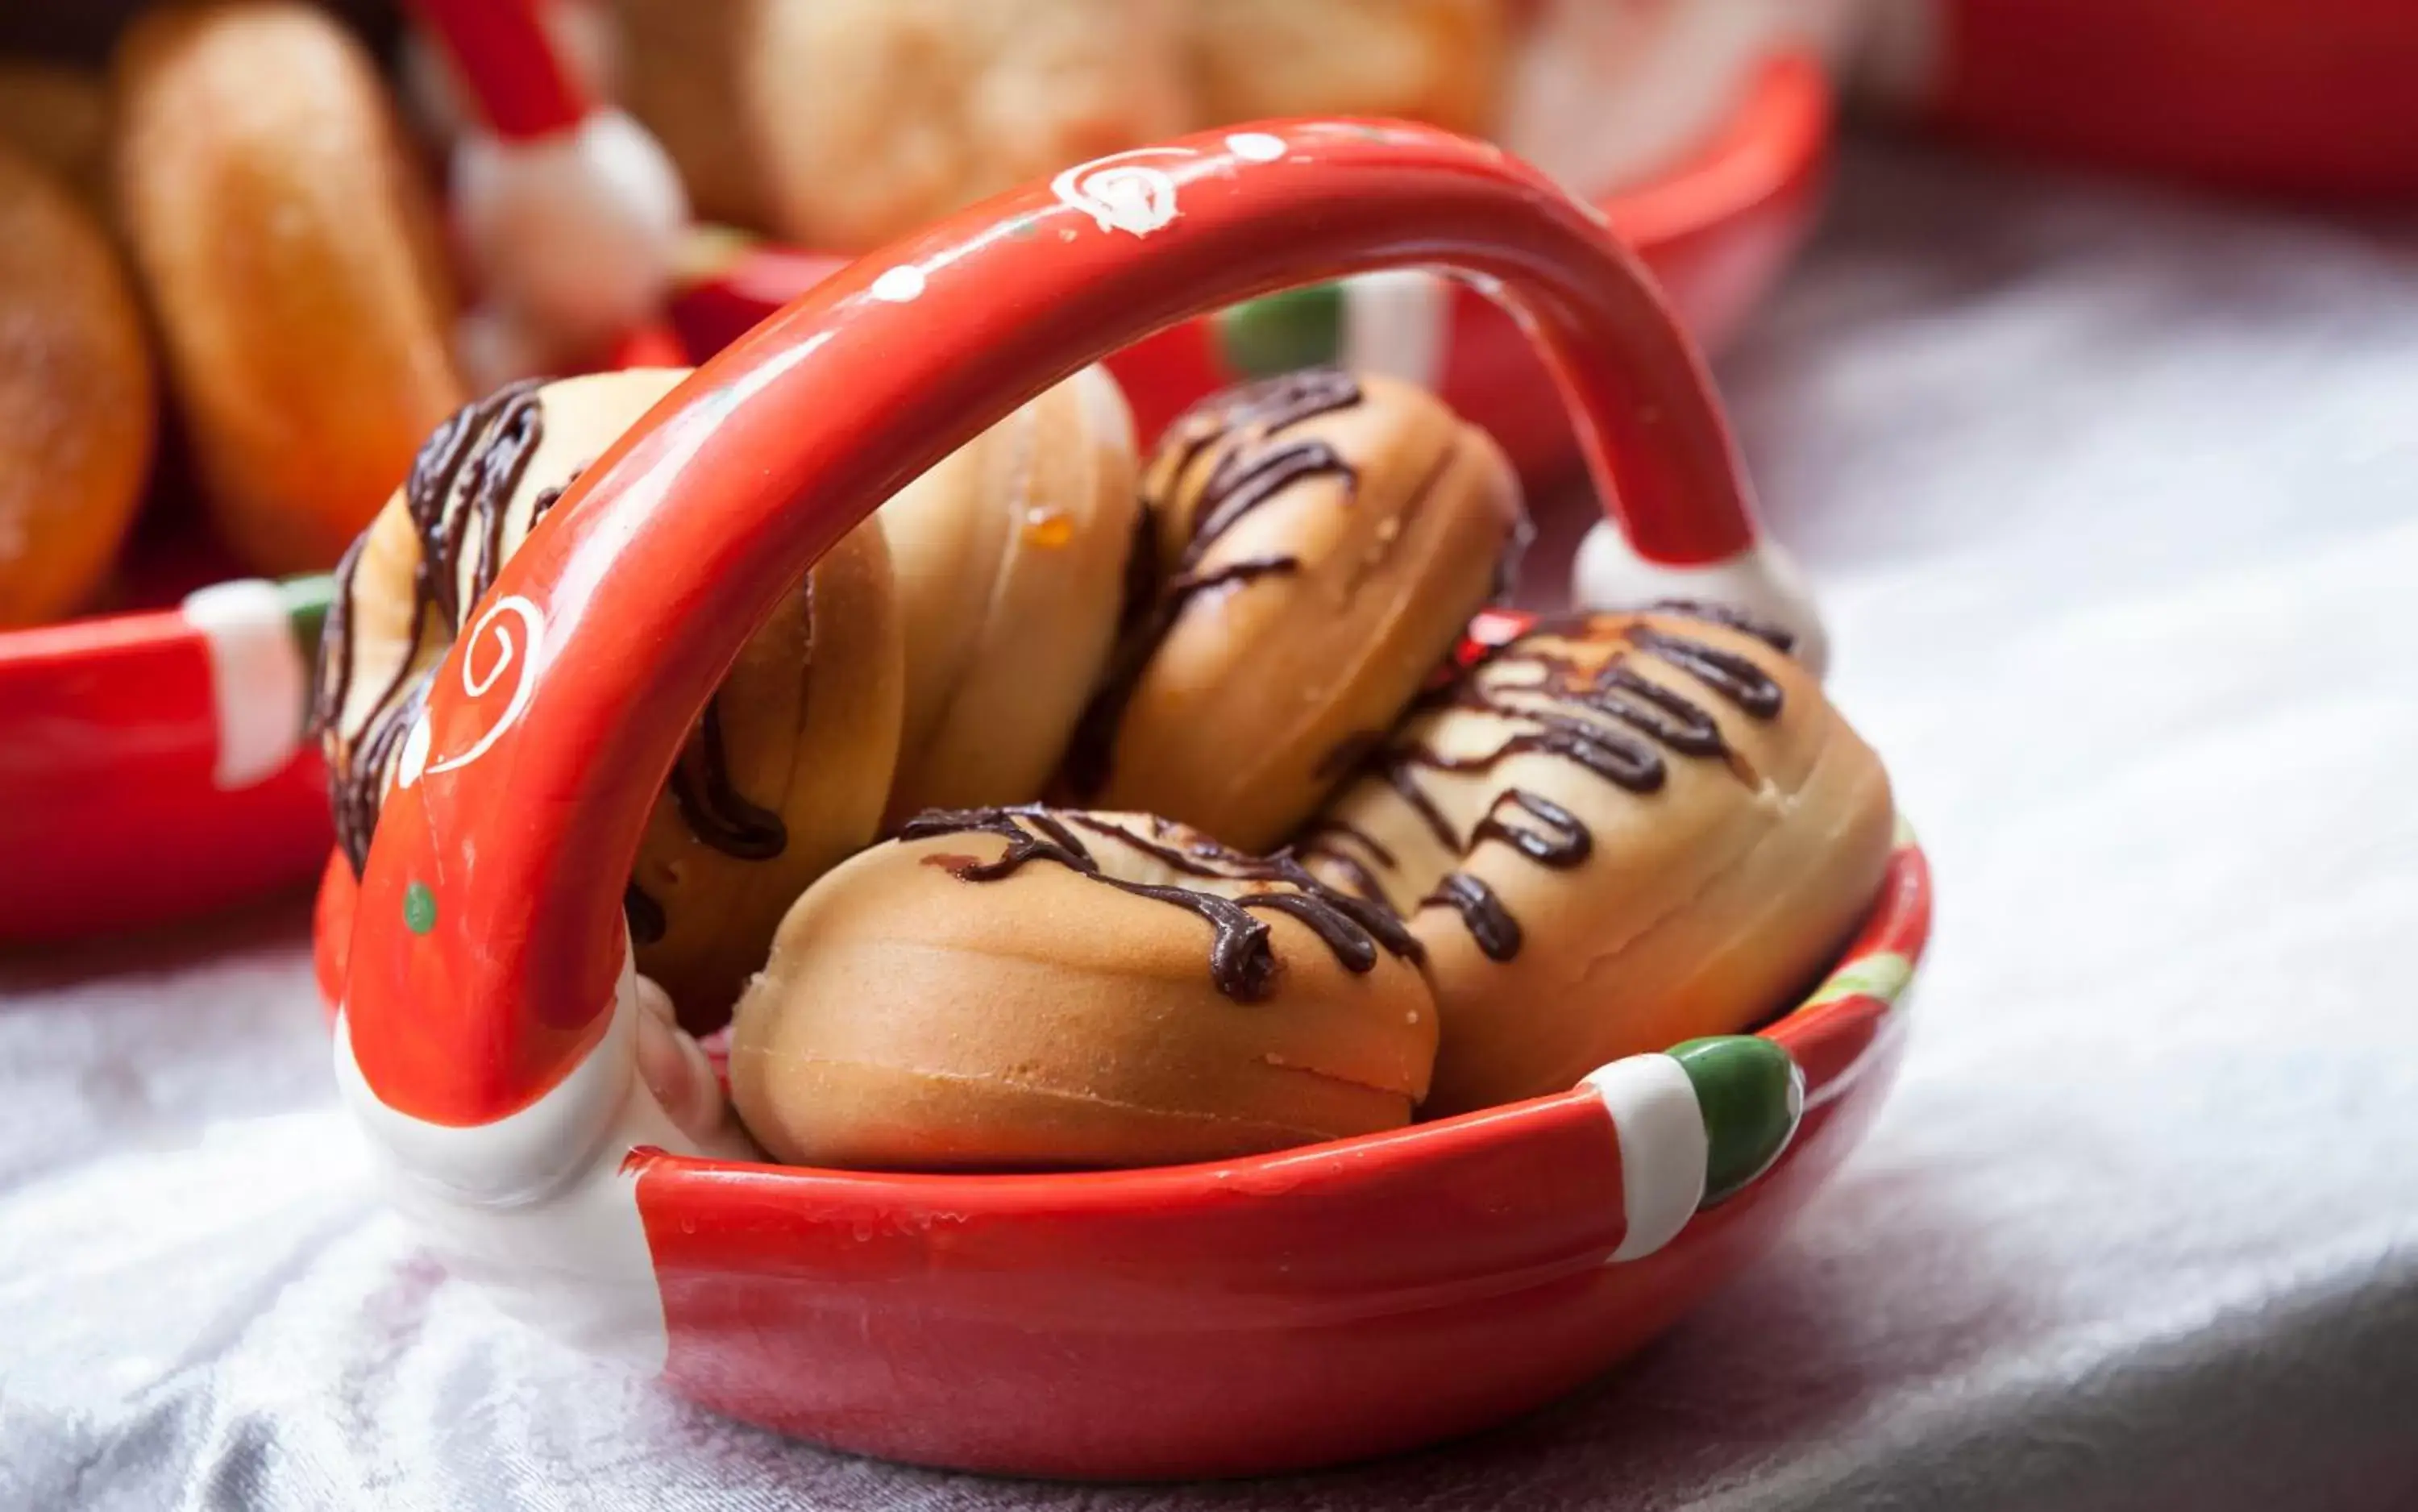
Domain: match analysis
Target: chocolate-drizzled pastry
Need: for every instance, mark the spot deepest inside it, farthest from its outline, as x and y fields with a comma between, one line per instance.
x=1321, y=539
x=1031, y=987
x=1010, y=558
x=781, y=776
x=1612, y=834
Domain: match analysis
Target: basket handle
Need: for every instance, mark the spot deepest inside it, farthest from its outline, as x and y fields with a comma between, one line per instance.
x=490, y=940
x=519, y=83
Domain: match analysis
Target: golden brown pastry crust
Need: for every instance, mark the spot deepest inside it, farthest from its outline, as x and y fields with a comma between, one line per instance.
x=1611, y=837
x=58, y=118
x=1010, y=559
x=76, y=398
x=291, y=255
x=931, y=1005
x=1322, y=538
x=783, y=777
x=1438, y=61
x=870, y=117
x=804, y=730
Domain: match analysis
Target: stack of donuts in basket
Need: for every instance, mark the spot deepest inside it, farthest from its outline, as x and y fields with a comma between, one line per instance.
x=1092, y=809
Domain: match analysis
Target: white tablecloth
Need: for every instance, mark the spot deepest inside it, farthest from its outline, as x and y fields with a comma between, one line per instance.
x=2113, y=500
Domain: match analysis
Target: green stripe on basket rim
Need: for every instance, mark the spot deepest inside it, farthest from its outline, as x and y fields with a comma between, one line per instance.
x=1881, y=976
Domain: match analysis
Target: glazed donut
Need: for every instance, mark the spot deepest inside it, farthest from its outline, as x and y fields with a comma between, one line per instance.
x=679, y=76
x=76, y=404
x=1612, y=835
x=58, y=117
x=871, y=117
x=1010, y=558
x=784, y=775
x=1030, y=987
x=292, y=258
x=1321, y=540
x=1438, y=61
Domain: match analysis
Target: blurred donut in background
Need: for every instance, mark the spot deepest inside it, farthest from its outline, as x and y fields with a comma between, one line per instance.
x=57, y=116
x=871, y=117
x=291, y=252
x=678, y=74
x=76, y=398
x=837, y=124
x=1437, y=61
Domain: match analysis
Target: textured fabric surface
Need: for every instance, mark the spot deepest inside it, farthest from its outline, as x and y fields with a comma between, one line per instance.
x=2114, y=499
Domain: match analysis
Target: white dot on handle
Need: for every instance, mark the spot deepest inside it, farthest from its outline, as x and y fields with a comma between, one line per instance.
x=899, y=285
x=1256, y=147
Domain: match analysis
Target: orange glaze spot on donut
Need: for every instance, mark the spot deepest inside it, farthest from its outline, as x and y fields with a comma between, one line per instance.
x=1048, y=528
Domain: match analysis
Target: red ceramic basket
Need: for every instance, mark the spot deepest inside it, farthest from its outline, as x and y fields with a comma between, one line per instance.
x=1321, y=1304
x=2292, y=97
x=153, y=763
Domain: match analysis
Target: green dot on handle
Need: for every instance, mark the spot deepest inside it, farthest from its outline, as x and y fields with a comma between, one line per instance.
x=1750, y=1095
x=418, y=908
x=1283, y=332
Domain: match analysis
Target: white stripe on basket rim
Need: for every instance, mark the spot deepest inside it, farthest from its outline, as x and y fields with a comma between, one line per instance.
x=1396, y=324
x=1663, y=1146
x=259, y=681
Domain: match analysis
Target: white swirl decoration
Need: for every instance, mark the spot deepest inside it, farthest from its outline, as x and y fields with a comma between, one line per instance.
x=491, y=635
x=1121, y=192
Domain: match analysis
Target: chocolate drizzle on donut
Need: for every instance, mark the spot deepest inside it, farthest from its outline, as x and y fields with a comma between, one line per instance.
x=458, y=497
x=1490, y=922
x=355, y=794
x=711, y=803
x=1142, y=574
x=1359, y=879
x=1726, y=673
x=1242, y=962
x=1657, y=712
x=479, y=456
x=705, y=796
x=1251, y=470
x=546, y=499
x=1270, y=406
x=480, y=452
x=646, y=915
x=1244, y=480
x=1607, y=718
x=1711, y=612
x=1561, y=843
